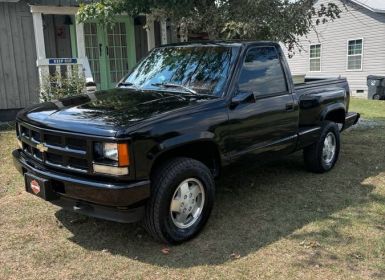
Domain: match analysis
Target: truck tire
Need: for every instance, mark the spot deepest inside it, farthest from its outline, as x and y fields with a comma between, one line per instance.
x=376, y=97
x=321, y=156
x=183, y=191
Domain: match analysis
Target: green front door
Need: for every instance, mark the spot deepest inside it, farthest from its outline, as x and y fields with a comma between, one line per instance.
x=110, y=50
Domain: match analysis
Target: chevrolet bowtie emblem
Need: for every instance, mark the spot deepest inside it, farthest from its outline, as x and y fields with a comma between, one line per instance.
x=41, y=147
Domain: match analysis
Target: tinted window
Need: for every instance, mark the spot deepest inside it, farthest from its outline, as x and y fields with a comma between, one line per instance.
x=202, y=68
x=262, y=72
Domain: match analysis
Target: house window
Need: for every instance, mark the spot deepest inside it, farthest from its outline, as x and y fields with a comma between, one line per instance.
x=315, y=58
x=355, y=50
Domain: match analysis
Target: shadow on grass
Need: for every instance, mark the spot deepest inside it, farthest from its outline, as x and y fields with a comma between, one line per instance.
x=7, y=126
x=255, y=206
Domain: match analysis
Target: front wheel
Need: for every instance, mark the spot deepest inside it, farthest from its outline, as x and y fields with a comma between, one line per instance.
x=182, y=197
x=323, y=155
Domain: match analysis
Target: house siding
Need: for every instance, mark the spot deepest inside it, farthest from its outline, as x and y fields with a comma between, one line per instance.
x=18, y=72
x=356, y=22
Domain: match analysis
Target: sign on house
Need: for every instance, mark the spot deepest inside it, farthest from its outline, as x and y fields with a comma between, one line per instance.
x=62, y=61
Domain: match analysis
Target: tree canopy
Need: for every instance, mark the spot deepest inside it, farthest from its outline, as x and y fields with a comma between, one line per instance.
x=278, y=20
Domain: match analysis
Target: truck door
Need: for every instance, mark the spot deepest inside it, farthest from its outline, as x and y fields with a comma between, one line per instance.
x=268, y=119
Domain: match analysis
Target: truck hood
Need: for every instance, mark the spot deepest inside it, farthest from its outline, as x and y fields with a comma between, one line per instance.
x=105, y=112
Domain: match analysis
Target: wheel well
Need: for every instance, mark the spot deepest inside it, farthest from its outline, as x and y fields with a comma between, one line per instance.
x=203, y=151
x=337, y=116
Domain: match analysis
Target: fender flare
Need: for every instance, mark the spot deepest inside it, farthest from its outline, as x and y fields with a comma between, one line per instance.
x=181, y=140
x=330, y=108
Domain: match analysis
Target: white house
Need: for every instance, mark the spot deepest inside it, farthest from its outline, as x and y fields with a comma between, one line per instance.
x=38, y=37
x=352, y=46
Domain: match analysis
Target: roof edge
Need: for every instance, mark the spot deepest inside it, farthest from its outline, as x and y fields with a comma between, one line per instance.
x=380, y=11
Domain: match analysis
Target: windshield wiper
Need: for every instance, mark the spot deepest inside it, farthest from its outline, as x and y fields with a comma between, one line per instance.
x=171, y=85
x=124, y=84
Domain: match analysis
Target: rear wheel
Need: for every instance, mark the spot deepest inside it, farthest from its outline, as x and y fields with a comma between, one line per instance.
x=323, y=155
x=376, y=97
x=182, y=198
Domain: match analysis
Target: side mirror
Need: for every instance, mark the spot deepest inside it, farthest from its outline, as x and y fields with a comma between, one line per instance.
x=241, y=98
x=91, y=86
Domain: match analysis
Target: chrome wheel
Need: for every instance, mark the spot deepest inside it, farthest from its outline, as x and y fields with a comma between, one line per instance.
x=187, y=203
x=329, y=148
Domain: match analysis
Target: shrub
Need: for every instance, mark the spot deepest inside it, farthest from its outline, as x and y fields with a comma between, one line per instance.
x=57, y=85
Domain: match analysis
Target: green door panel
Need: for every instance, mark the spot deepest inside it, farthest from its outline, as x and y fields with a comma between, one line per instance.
x=120, y=46
x=110, y=50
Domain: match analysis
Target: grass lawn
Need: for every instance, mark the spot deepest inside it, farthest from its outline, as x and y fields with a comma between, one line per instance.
x=369, y=109
x=269, y=222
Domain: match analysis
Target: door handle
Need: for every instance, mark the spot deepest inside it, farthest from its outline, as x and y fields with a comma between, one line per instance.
x=100, y=49
x=289, y=107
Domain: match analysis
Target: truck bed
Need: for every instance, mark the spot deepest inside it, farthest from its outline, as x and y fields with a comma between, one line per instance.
x=318, y=94
x=315, y=82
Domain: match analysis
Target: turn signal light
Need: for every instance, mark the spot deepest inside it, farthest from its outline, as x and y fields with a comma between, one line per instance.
x=123, y=154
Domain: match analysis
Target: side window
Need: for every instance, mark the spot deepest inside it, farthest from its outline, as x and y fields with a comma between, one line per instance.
x=355, y=50
x=262, y=72
x=315, y=58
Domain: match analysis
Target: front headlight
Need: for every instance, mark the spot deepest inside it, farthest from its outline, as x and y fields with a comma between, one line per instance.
x=110, y=151
x=111, y=158
x=113, y=154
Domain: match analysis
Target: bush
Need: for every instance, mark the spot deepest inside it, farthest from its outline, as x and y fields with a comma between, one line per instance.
x=56, y=86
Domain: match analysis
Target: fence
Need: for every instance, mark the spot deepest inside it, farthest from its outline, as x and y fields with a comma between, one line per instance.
x=66, y=67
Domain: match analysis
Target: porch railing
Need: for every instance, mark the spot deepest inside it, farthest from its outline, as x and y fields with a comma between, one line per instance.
x=67, y=67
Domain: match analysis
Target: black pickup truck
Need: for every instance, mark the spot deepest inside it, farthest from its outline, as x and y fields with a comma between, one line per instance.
x=151, y=148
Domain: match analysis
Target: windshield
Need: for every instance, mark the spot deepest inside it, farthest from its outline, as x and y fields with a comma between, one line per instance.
x=203, y=69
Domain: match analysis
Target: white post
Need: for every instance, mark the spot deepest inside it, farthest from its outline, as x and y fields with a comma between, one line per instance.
x=150, y=32
x=80, y=39
x=82, y=57
x=38, y=29
x=39, y=35
x=183, y=32
x=163, y=31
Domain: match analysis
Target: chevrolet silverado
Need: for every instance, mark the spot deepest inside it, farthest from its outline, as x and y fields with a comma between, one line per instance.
x=150, y=149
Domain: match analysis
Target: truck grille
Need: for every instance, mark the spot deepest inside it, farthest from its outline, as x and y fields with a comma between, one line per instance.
x=55, y=149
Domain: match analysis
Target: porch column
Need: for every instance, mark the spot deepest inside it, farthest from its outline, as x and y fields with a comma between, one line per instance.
x=163, y=31
x=81, y=48
x=183, y=32
x=150, y=32
x=38, y=29
x=39, y=35
x=80, y=39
